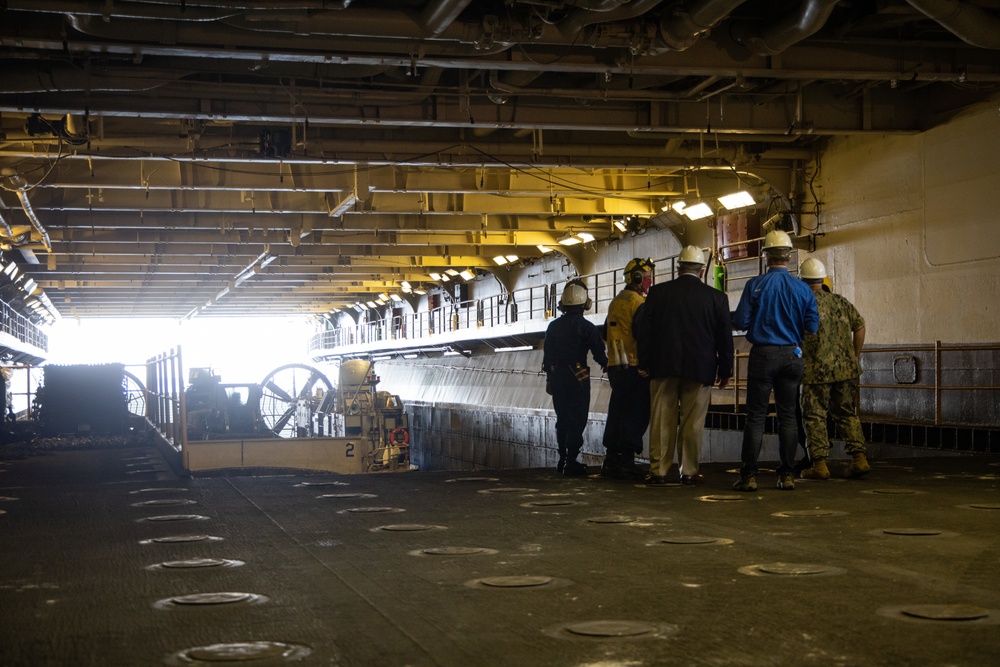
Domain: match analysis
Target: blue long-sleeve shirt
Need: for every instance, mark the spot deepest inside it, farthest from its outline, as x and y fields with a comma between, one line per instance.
x=776, y=309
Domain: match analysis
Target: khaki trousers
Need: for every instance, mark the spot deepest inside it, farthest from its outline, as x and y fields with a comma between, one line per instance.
x=676, y=401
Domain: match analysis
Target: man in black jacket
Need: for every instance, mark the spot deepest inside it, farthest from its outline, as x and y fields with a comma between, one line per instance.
x=685, y=344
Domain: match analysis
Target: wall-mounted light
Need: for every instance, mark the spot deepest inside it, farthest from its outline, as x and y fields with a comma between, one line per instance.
x=698, y=211
x=741, y=199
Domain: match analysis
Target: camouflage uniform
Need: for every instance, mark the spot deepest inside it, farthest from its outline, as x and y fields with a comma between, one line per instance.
x=830, y=381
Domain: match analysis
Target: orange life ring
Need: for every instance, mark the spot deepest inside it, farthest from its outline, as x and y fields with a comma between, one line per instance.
x=399, y=436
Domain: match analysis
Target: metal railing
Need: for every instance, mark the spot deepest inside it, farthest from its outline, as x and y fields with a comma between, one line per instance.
x=21, y=328
x=528, y=304
x=165, y=397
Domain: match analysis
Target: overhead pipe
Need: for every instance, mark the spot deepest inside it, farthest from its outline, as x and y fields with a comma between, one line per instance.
x=440, y=14
x=972, y=24
x=811, y=16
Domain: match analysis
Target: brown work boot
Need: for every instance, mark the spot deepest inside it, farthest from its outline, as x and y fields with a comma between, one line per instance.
x=817, y=471
x=859, y=467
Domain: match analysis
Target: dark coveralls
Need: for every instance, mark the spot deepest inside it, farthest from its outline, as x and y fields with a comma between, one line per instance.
x=567, y=341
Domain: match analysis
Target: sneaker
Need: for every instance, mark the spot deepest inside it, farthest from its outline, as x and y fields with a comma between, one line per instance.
x=746, y=483
x=786, y=481
x=574, y=469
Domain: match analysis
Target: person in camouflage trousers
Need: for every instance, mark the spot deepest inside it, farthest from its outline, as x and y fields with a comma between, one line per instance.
x=830, y=381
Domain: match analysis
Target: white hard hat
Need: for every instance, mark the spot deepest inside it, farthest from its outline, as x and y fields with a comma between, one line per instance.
x=692, y=255
x=812, y=269
x=777, y=239
x=574, y=294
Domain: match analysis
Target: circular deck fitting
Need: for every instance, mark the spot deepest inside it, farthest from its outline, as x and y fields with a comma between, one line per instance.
x=809, y=513
x=370, y=510
x=158, y=489
x=453, y=551
x=981, y=506
x=145, y=471
x=893, y=492
x=165, y=502
x=348, y=495
x=791, y=570
x=328, y=483
x=724, y=498
x=196, y=563
x=210, y=600
x=605, y=630
x=552, y=503
x=178, y=539
x=693, y=540
x=614, y=518
x=515, y=581
x=760, y=471
x=240, y=652
x=915, y=532
x=175, y=517
x=473, y=479
x=508, y=489
x=408, y=527
x=7, y=499
x=954, y=614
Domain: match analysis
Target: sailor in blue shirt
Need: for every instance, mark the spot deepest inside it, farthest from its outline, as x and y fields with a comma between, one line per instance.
x=776, y=313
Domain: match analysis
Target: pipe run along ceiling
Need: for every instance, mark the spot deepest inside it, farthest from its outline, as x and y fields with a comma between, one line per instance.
x=229, y=158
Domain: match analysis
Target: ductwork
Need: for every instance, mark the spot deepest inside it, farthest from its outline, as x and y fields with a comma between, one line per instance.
x=811, y=16
x=972, y=24
x=578, y=19
x=682, y=28
x=438, y=15
x=22, y=194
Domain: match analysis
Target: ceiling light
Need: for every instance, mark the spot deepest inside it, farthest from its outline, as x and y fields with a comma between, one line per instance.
x=576, y=238
x=419, y=291
x=383, y=296
x=544, y=249
x=380, y=301
x=371, y=304
x=435, y=277
x=445, y=278
x=451, y=272
x=467, y=275
x=698, y=211
x=620, y=225
x=395, y=297
x=500, y=260
x=344, y=204
x=741, y=199
x=405, y=285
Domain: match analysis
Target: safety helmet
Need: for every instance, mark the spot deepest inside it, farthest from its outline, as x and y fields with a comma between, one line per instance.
x=637, y=269
x=777, y=239
x=575, y=294
x=692, y=255
x=812, y=269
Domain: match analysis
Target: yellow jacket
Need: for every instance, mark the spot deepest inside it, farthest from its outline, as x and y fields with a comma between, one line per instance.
x=618, y=331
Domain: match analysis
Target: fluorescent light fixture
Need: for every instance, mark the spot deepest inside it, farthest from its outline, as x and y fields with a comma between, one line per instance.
x=741, y=199
x=436, y=277
x=518, y=348
x=544, y=249
x=384, y=296
x=371, y=304
x=410, y=356
x=384, y=357
x=451, y=272
x=395, y=297
x=345, y=203
x=380, y=301
x=500, y=260
x=467, y=275
x=405, y=285
x=577, y=238
x=620, y=225
x=445, y=278
x=698, y=211
x=512, y=258
x=419, y=291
